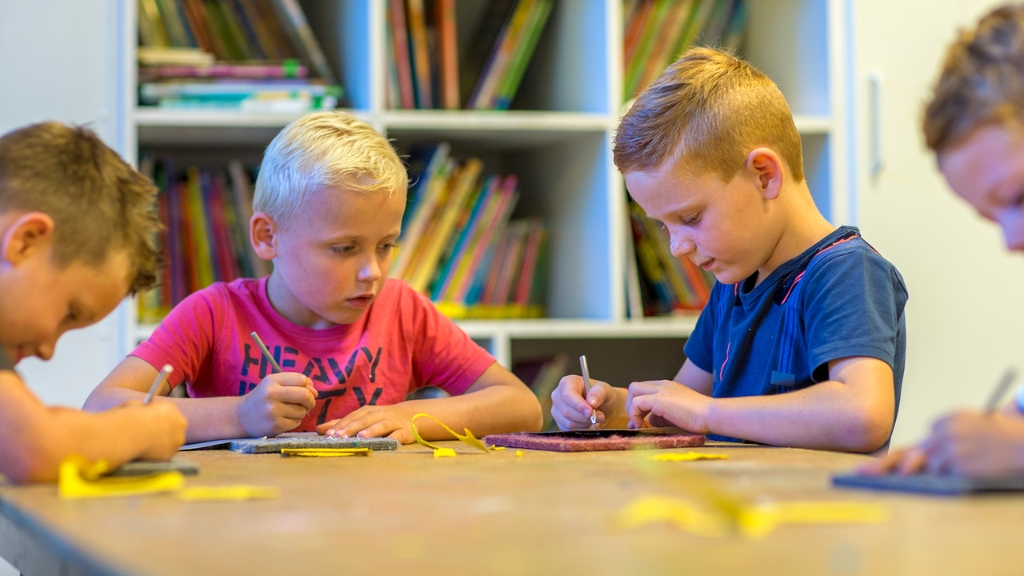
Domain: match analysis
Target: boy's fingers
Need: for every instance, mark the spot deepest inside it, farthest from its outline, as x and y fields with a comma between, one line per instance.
x=296, y=395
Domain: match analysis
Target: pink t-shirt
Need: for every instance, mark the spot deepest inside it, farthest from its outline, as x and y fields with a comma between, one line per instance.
x=400, y=344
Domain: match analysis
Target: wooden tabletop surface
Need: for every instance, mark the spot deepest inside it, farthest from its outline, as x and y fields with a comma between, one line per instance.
x=409, y=513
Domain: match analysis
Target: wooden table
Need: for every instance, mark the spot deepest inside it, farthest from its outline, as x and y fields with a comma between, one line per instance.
x=543, y=513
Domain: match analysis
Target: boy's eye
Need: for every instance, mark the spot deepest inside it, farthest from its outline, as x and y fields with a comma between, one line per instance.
x=342, y=249
x=387, y=247
x=691, y=220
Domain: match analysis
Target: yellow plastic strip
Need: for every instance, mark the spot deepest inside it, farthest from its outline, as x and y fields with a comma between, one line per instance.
x=467, y=439
x=77, y=478
x=687, y=457
x=325, y=452
x=228, y=493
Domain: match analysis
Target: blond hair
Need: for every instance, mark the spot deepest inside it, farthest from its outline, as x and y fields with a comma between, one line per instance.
x=99, y=204
x=982, y=79
x=324, y=149
x=708, y=109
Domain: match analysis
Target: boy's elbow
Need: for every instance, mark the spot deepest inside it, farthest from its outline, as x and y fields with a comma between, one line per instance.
x=34, y=460
x=867, y=433
x=531, y=414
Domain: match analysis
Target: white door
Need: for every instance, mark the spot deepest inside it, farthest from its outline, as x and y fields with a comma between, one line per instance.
x=965, y=317
x=58, y=61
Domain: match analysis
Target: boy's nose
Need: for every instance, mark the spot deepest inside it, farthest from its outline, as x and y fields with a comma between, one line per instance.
x=681, y=247
x=370, y=271
x=45, y=351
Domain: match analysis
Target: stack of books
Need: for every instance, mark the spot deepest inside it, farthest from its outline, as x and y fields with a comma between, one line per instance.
x=255, y=56
x=424, y=66
x=667, y=285
x=459, y=246
x=205, y=237
x=657, y=32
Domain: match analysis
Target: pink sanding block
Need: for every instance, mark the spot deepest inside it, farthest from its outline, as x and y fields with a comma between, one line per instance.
x=598, y=440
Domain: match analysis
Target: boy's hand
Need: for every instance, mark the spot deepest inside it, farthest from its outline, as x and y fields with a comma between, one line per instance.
x=372, y=422
x=571, y=411
x=965, y=443
x=667, y=402
x=277, y=405
x=167, y=430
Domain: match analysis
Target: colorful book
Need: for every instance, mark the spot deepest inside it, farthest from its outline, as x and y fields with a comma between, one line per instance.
x=476, y=54
x=524, y=52
x=419, y=53
x=469, y=289
x=499, y=61
x=448, y=54
x=400, y=49
x=297, y=28
x=419, y=213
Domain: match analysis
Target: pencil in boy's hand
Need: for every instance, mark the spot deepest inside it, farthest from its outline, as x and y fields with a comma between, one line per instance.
x=158, y=383
x=586, y=389
x=997, y=394
x=266, y=353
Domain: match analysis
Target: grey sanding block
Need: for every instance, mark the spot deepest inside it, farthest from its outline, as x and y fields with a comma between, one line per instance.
x=275, y=445
x=930, y=484
x=143, y=467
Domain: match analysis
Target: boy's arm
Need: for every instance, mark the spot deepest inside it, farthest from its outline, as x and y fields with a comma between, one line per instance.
x=36, y=438
x=496, y=402
x=852, y=411
x=277, y=405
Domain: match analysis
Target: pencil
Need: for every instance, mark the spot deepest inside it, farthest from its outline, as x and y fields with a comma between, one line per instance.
x=586, y=389
x=158, y=383
x=997, y=394
x=266, y=353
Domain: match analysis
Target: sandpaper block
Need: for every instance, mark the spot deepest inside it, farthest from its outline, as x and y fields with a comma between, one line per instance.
x=930, y=483
x=143, y=467
x=312, y=440
x=598, y=440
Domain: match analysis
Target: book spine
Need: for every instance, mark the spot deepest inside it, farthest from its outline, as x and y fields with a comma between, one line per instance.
x=298, y=26
x=524, y=53
x=448, y=55
x=420, y=53
x=400, y=40
x=490, y=80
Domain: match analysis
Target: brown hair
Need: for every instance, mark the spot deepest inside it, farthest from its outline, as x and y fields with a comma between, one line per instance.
x=98, y=202
x=708, y=109
x=982, y=79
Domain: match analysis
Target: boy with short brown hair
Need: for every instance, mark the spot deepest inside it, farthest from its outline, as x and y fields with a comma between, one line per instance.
x=803, y=340
x=76, y=224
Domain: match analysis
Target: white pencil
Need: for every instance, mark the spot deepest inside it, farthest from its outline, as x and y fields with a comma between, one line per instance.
x=158, y=383
x=586, y=389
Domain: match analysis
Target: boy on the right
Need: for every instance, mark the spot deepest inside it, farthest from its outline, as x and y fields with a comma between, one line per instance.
x=802, y=342
x=975, y=125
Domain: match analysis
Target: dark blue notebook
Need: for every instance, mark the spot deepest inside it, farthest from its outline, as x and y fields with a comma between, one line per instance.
x=929, y=483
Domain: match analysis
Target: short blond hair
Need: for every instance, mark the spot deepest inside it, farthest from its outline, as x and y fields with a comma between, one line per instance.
x=99, y=204
x=331, y=149
x=708, y=110
x=982, y=79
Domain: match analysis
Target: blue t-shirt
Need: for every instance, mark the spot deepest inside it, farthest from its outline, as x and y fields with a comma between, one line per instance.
x=838, y=299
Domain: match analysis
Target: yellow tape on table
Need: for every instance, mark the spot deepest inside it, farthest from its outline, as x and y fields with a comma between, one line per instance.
x=468, y=438
x=78, y=478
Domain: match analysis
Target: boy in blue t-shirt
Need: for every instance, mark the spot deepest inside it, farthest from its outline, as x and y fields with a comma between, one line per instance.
x=803, y=341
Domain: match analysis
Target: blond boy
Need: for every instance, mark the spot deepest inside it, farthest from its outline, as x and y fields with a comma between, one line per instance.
x=974, y=123
x=76, y=224
x=352, y=343
x=803, y=340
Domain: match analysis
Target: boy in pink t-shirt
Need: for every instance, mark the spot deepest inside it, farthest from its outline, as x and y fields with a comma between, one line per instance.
x=351, y=343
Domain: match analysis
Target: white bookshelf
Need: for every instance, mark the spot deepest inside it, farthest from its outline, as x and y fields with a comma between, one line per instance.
x=557, y=139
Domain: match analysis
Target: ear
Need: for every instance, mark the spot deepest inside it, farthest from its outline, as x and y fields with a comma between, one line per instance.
x=28, y=235
x=766, y=167
x=263, y=235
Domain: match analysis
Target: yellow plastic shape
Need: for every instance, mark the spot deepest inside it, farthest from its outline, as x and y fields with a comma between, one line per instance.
x=444, y=453
x=687, y=457
x=680, y=513
x=519, y=453
x=468, y=438
x=496, y=448
x=228, y=493
x=756, y=521
x=78, y=478
x=325, y=452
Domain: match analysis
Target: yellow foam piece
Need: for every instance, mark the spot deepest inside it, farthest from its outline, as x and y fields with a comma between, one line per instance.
x=444, y=453
x=496, y=447
x=468, y=438
x=325, y=452
x=687, y=457
x=228, y=493
x=519, y=453
x=751, y=521
x=78, y=478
